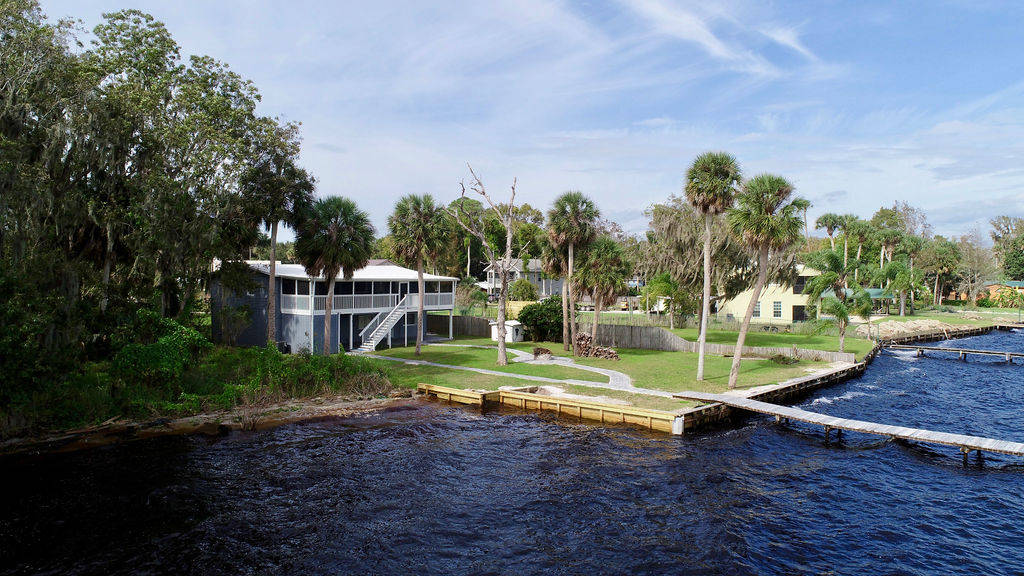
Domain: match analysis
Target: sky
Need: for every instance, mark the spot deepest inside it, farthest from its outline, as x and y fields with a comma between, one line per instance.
x=859, y=104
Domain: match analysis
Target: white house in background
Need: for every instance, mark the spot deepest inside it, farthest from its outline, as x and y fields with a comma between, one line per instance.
x=778, y=304
x=378, y=304
x=532, y=272
x=513, y=331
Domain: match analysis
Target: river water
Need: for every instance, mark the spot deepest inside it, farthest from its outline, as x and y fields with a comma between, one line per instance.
x=445, y=490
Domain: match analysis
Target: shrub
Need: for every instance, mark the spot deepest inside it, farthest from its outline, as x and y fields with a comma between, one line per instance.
x=522, y=290
x=175, y=348
x=543, y=320
x=986, y=302
x=783, y=360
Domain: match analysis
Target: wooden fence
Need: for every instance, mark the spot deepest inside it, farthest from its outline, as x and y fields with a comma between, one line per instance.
x=461, y=325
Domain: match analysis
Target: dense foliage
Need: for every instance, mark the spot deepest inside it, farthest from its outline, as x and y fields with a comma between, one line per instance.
x=522, y=290
x=543, y=320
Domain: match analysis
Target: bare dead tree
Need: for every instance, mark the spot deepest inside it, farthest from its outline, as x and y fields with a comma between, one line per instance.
x=500, y=259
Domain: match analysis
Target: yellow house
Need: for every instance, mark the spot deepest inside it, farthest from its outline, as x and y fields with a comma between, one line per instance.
x=778, y=304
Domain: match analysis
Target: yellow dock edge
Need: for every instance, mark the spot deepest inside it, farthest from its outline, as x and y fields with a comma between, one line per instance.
x=605, y=413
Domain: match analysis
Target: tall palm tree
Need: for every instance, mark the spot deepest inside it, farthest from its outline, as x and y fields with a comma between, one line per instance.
x=335, y=236
x=555, y=263
x=711, y=188
x=603, y=274
x=830, y=222
x=831, y=289
x=275, y=190
x=418, y=232
x=861, y=231
x=767, y=219
x=572, y=224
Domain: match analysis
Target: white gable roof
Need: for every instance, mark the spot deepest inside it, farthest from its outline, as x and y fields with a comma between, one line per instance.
x=381, y=272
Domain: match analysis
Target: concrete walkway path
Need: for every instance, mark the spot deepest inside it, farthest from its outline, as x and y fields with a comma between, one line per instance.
x=616, y=380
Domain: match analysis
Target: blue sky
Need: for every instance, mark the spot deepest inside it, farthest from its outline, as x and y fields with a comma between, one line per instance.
x=859, y=104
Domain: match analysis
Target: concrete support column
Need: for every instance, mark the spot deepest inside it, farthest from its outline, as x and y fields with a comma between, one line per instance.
x=451, y=321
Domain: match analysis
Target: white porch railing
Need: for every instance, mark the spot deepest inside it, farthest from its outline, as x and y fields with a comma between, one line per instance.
x=295, y=302
x=344, y=302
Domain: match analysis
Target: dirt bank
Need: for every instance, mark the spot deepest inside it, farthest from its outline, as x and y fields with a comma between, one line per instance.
x=210, y=423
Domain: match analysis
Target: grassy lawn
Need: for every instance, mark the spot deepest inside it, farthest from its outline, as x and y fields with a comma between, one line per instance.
x=677, y=371
x=858, y=346
x=481, y=358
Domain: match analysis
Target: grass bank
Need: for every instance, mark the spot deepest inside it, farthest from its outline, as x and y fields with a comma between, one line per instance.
x=668, y=371
x=858, y=346
x=218, y=378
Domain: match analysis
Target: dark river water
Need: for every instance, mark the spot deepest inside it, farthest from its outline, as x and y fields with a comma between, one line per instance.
x=444, y=490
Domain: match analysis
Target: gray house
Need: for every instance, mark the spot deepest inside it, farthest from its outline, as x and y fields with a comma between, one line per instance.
x=532, y=271
x=377, y=305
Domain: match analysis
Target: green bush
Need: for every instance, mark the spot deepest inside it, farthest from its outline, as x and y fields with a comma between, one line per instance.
x=522, y=290
x=986, y=302
x=543, y=320
x=159, y=362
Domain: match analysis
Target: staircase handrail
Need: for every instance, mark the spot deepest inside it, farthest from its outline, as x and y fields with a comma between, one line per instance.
x=379, y=319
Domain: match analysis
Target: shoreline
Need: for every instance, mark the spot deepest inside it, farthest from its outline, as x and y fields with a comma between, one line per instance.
x=218, y=423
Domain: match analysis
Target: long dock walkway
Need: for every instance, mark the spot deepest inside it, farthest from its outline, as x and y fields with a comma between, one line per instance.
x=961, y=352
x=966, y=444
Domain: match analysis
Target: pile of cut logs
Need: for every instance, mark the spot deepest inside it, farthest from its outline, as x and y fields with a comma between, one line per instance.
x=585, y=347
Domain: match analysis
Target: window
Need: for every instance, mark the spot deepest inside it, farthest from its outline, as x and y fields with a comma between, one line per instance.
x=302, y=287
x=757, y=310
x=344, y=288
x=363, y=287
x=321, y=288
x=288, y=286
x=800, y=284
x=381, y=287
x=777, y=309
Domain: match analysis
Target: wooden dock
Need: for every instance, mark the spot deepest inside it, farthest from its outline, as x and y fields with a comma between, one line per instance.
x=961, y=352
x=524, y=399
x=966, y=444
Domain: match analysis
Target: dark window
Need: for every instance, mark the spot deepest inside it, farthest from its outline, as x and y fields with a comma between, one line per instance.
x=343, y=288
x=394, y=287
x=302, y=287
x=363, y=287
x=287, y=286
x=321, y=288
x=431, y=287
x=381, y=287
x=799, y=313
x=800, y=284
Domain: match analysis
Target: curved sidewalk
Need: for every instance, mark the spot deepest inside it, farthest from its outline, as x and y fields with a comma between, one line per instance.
x=616, y=380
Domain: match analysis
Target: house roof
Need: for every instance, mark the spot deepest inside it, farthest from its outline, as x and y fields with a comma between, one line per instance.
x=532, y=265
x=381, y=270
x=874, y=293
x=1007, y=283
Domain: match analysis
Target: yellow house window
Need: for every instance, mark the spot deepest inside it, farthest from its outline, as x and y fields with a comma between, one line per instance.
x=757, y=310
x=777, y=309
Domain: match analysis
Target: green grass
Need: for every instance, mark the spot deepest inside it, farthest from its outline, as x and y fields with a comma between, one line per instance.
x=658, y=370
x=858, y=346
x=481, y=358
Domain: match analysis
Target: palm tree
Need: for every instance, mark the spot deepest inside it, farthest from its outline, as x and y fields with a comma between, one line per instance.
x=862, y=231
x=571, y=224
x=418, y=232
x=711, y=188
x=767, y=219
x=831, y=290
x=664, y=286
x=603, y=274
x=830, y=222
x=275, y=190
x=336, y=236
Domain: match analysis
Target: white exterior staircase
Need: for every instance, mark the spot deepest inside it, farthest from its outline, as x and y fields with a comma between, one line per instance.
x=381, y=325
